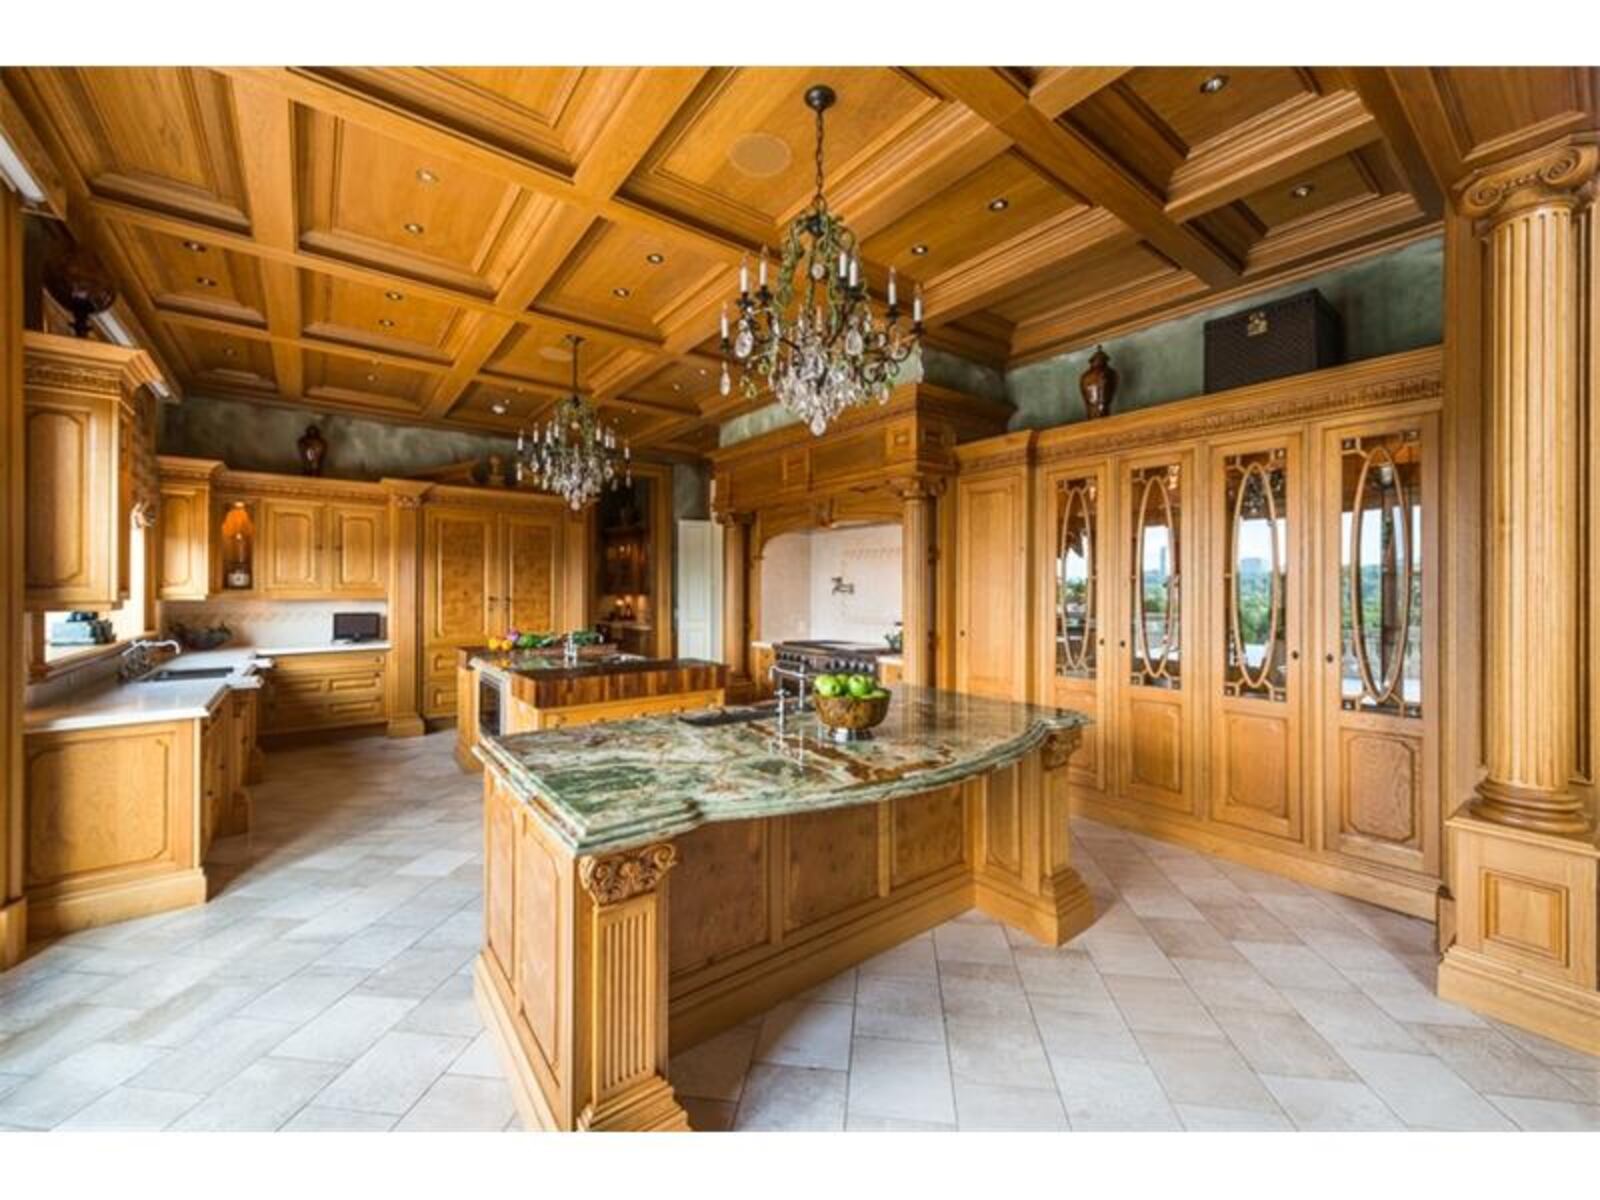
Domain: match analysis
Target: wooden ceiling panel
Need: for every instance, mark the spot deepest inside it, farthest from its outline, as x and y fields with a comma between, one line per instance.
x=1122, y=126
x=958, y=223
x=740, y=152
x=1080, y=279
x=504, y=406
x=390, y=319
x=157, y=136
x=364, y=383
x=539, y=353
x=186, y=275
x=221, y=360
x=613, y=279
x=550, y=115
x=372, y=199
x=682, y=386
x=1233, y=226
x=1195, y=117
x=1334, y=183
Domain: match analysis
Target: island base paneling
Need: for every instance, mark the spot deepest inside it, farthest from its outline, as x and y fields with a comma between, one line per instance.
x=595, y=967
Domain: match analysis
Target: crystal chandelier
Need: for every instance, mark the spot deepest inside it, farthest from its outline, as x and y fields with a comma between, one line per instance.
x=815, y=340
x=574, y=454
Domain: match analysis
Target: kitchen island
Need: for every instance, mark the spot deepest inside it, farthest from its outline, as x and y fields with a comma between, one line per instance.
x=543, y=689
x=790, y=858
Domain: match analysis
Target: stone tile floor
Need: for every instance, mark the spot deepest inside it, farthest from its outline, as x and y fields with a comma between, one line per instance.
x=327, y=987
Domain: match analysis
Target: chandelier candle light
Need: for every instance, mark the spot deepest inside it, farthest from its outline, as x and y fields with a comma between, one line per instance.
x=574, y=454
x=815, y=341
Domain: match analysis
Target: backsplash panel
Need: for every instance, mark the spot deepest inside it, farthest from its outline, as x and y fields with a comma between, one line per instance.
x=280, y=623
x=797, y=590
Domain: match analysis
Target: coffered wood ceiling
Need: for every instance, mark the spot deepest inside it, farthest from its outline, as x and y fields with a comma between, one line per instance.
x=414, y=243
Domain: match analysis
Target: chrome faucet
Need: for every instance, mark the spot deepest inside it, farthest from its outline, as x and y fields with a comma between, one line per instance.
x=136, y=658
x=569, y=648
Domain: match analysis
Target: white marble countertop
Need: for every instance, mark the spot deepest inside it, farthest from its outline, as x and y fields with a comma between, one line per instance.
x=318, y=648
x=111, y=702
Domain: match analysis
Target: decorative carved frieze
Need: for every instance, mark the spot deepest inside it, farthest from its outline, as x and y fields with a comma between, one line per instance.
x=613, y=878
x=1557, y=175
x=71, y=377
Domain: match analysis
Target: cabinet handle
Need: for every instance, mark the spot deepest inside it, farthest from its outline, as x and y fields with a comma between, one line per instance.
x=1294, y=655
x=1327, y=658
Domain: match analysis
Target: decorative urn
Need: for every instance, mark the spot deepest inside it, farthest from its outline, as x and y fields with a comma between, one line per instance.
x=313, y=449
x=1098, y=385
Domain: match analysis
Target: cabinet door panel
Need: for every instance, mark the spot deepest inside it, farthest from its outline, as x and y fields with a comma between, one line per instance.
x=184, y=529
x=459, y=603
x=360, y=561
x=292, y=545
x=531, y=546
x=991, y=595
x=1075, y=583
x=73, y=530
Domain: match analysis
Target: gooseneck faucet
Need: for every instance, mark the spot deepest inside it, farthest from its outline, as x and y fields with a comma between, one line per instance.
x=136, y=658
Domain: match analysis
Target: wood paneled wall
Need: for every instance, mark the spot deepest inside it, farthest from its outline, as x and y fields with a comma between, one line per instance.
x=13, y=908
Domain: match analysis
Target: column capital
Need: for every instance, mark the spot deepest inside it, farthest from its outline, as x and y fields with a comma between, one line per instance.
x=1558, y=174
x=727, y=517
x=613, y=878
x=918, y=487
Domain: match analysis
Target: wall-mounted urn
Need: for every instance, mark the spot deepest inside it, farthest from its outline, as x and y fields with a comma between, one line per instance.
x=1098, y=385
x=313, y=449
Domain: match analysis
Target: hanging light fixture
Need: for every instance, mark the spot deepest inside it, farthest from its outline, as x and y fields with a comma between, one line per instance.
x=575, y=453
x=811, y=336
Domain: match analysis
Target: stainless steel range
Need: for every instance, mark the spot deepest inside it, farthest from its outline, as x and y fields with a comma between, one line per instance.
x=825, y=658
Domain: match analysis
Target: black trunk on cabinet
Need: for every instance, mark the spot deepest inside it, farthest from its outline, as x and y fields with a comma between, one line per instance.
x=1299, y=333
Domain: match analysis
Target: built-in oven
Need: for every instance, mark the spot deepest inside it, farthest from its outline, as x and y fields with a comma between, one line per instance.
x=491, y=703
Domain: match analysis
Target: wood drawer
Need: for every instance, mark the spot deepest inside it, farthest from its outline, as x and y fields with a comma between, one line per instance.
x=441, y=660
x=328, y=664
x=439, y=698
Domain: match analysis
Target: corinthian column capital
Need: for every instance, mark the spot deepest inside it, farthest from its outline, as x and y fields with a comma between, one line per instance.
x=1559, y=174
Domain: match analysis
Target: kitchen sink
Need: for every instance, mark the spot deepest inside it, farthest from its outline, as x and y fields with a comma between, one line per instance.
x=177, y=674
x=738, y=714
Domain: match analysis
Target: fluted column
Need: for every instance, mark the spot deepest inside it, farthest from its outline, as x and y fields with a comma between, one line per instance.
x=1525, y=211
x=918, y=555
x=736, y=597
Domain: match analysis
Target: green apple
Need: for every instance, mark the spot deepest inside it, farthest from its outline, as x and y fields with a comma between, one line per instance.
x=860, y=685
x=828, y=685
x=876, y=694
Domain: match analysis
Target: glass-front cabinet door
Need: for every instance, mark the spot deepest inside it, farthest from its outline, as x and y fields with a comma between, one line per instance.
x=1379, y=616
x=1256, y=585
x=1076, y=510
x=1155, y=717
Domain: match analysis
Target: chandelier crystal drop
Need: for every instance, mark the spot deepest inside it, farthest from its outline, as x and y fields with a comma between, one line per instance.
x=811, y=335
x=575, y=453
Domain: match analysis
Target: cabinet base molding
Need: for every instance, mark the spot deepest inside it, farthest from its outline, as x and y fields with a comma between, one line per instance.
x=13, y=933
x=1414, y=899
x=1559, y=1011
x=1054, y=919
x=52, y=916
x=407, y=727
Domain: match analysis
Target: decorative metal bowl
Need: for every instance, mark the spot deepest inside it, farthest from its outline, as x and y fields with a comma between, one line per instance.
x=848, y=718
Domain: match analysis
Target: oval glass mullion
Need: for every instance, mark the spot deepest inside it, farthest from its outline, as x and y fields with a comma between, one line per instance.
x=1255, y=474
x=1077, y=524
x=1394, y=533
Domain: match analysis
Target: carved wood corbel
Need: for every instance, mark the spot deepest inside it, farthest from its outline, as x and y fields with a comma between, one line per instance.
x=614, y=878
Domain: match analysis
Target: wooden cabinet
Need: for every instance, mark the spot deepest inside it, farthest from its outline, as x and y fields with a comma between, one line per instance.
x=291, y=554
x=484, y=571
x=1239, y=590
x=184, y=560
x=992, y=602
x=358, y=564
x=324, y=691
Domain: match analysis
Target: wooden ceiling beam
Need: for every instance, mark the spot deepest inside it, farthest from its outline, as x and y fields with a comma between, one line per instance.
x=1080, y=321
x=1300, y=133
x=1074, y=161
x=1377, y=92
x=1057, y=89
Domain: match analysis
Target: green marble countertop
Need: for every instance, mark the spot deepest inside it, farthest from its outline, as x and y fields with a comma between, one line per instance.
x=612, y=786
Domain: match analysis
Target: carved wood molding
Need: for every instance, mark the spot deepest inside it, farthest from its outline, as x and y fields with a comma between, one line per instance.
x=1557, y=175
x=1059, y=746
x=1428, y=386
x=613, y=878
x=71, y=377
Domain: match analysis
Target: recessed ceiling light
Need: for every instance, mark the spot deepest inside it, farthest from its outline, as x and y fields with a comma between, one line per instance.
x=704, y=372
x=677, y=387
x=229, y=352
x=655, y=258
x=196, y=247
x=1212, y=84
x=371, y=378
x=621, y=293
x=205, y=281
x=386, y=322
x=1302, y=190
x=413, y=229
x=426, y=176
x=498, y=408
x=921, y=248
x=391, y=295
x=999, y=204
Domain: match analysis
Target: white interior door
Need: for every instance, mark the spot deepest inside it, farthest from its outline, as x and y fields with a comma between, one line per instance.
x=700, y=589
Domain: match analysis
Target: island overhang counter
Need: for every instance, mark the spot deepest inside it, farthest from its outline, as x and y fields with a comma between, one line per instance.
x=649, y=883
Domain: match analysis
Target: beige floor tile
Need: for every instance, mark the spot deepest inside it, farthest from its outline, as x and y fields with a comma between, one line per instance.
x=1200, y=1118
x=1161, y=1006
x=861, y=1123
x=1191, y=938
x=964, y=941
x=982, y=991
x=261, y=1098
x=1406, y=1000
x=461, y=1104
x=1128, y=954
x=1246, y=922
x=909, y=960
x=903, y=1009
x=1351, y=1019
x=798, y=1033
x=1331, y=1105
x=841, y=989
x=303, y=996
x=907, y=1080
x=214, y=1056
x=1492, y=1062
x=1007, y=1053
x=1296, y=966
x=346, y=1030
x=1279, y=1043
x=312, y=1119
x=1549, y=1115
x=1423, y=1092
x=1234, y=984
x=779, y=1097
x=1112, y=1096
x=1213, y=1074
x=394, y=1074
x=66, y=1087
x=132, y=1110
x=481, y=1057
x=1069, y=1032
x=981, y=1106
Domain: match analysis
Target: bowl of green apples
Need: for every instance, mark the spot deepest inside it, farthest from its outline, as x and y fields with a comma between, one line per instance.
x=849, y=705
